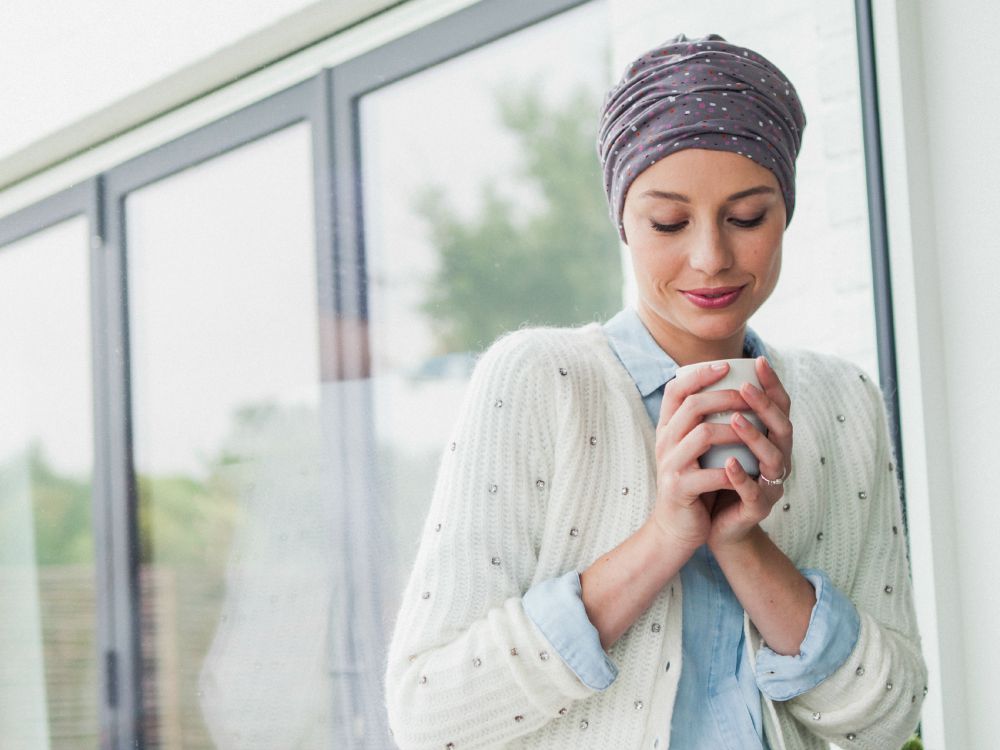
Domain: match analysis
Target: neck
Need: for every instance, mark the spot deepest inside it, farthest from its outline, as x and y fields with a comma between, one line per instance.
x=687, y=349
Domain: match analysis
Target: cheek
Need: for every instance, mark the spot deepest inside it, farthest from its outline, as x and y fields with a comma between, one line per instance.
x=653, y=266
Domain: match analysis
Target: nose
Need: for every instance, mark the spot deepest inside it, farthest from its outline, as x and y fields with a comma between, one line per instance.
x=710, y=253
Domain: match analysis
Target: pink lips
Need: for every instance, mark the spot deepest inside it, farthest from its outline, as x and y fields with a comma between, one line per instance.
x=700, y=296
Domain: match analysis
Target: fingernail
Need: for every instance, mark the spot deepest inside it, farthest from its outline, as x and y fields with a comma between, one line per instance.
x=752, y=388
x=741, y=420
x=767, y=364
x=720, y=366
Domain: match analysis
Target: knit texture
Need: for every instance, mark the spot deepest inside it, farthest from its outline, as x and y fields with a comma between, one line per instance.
x=551, y=464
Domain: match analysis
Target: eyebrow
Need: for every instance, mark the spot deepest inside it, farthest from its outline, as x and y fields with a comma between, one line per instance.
x=669, y=195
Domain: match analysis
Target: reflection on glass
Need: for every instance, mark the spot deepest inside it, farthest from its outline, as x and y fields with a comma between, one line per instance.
x=49, y=678
x=225, y=385
x=484, y=213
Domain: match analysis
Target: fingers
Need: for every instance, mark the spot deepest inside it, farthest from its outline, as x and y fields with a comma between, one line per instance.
x=756, y=505
x=686, y=384
x=769, y=456
x=695, y=483
x=696, y=407
x=699, y=440
x=772, y=405
x=771, y=385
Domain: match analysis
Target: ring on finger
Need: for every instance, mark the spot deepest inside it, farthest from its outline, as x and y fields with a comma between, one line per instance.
x=775, y=482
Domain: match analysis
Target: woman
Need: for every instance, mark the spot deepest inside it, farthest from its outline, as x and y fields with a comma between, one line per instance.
x=581, y=582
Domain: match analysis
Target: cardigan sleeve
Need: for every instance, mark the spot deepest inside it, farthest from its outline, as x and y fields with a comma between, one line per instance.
x=873, y=700
x=466, y=665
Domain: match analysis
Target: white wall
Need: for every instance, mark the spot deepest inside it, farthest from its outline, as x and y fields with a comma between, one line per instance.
x=939, y=78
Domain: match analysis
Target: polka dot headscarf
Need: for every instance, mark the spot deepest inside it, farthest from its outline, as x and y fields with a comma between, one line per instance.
x=698, y=93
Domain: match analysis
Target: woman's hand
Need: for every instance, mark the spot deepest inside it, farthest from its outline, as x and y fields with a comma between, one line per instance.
x=739, y=510
x=686, y=493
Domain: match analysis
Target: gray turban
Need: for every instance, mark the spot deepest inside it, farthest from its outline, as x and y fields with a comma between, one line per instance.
x=698, y=93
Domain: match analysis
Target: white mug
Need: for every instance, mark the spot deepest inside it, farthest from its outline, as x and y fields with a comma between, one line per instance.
x=741, y=371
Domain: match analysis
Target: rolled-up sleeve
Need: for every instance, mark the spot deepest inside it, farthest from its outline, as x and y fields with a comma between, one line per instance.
x=556, y=607
x=832, y=633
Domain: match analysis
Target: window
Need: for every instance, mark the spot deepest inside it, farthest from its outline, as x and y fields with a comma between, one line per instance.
x=50, y=684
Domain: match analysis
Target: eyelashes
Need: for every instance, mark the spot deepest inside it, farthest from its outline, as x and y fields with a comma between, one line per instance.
x=674, y=228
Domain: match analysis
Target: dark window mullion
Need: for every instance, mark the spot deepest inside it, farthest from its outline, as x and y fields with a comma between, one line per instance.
x=878, y=231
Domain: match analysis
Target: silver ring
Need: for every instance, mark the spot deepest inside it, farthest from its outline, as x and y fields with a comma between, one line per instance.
x=775, y=482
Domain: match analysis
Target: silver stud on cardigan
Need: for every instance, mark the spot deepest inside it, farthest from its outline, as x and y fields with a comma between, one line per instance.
x=852, y=735
x=563, y=711
x=426, y=595
x=786, y=506
x=638, y=705
x=493, y=489
x=453, y=446
x=816, y=716
x=498, y=403
x=519, y=717
x=540, y=484
x=450, y=746
x=925, y=690
x=624, y=490
x=562, y=371
x=574, y=531
x=495, y=561
x=841, y=418
x=477, y=662
x=819, y=536
x=584, y=723
x=859, y=671
x=888, y=686
x=822, y=460
x=437, y=527
x=423, y=679
x=888, y=589
x=513, y=652
x=593, y=440
x=863, y=495
x=655, y=627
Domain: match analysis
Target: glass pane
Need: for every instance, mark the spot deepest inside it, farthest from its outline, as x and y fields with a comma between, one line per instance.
x=49, y=683
x=486, y=212
x=225, y=386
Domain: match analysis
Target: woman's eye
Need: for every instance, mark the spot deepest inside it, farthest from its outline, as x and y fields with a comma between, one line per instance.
x=667, y=228
x=747, y=223
x=673, y=228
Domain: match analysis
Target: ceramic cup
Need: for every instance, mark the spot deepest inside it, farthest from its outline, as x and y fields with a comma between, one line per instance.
x=740, y=371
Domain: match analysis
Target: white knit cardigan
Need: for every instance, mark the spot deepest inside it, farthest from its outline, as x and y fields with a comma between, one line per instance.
x=551, y=464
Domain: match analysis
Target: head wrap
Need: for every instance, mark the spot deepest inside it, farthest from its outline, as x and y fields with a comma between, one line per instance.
x=698, y=93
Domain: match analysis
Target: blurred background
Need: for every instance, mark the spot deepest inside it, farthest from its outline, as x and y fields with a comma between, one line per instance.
x=250, y=252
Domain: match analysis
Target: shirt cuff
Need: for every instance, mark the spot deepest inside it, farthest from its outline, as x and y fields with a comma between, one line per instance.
x=830, y=638
x=556, y=607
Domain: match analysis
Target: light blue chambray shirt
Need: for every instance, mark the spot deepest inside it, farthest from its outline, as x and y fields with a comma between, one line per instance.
x=718, y=698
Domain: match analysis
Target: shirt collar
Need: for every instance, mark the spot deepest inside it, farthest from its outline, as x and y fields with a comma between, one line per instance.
x=650, y=366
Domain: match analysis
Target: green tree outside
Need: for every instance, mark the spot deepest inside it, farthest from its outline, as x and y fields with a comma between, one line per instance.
x=558, y=266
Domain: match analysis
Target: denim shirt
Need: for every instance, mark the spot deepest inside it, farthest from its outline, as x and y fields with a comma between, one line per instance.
x=718, y=703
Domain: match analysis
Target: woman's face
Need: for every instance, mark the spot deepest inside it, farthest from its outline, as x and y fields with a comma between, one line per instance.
x=691, y=224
